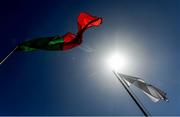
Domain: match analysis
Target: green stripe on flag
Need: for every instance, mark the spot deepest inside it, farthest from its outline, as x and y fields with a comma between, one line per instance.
x=56, y=41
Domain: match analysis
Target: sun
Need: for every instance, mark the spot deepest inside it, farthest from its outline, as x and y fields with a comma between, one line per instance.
x=117, y=61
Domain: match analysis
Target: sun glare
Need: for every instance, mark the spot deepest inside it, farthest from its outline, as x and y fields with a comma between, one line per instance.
x=117, y=61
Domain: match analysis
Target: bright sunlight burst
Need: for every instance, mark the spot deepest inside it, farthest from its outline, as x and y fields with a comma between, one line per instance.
x=117, y=61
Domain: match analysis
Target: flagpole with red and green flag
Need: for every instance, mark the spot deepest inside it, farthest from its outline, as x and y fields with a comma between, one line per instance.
x=59, y=43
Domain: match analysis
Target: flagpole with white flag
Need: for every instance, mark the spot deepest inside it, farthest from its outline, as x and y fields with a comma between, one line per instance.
x=132, y=95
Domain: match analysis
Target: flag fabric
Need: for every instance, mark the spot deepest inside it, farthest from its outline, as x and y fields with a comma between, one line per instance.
x=65, y=42
x=151, y=91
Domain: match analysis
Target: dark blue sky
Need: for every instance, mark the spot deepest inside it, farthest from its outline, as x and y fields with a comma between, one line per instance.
x=78, y=82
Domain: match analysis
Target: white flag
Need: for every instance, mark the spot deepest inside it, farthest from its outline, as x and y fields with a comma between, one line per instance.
x=152, y=92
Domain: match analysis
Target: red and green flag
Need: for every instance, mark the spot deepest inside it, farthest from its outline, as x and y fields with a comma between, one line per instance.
x=65, y=42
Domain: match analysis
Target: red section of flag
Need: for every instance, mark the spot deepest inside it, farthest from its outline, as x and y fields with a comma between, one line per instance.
x=68, y=37
x=71, y=41
x=86, y=20
x=69, y=46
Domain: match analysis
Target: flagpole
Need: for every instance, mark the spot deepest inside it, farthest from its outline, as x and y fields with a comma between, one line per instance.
x=131, y=95
x=8, y=55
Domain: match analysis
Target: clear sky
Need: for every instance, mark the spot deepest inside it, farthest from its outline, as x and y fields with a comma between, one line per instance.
x=78, y=82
